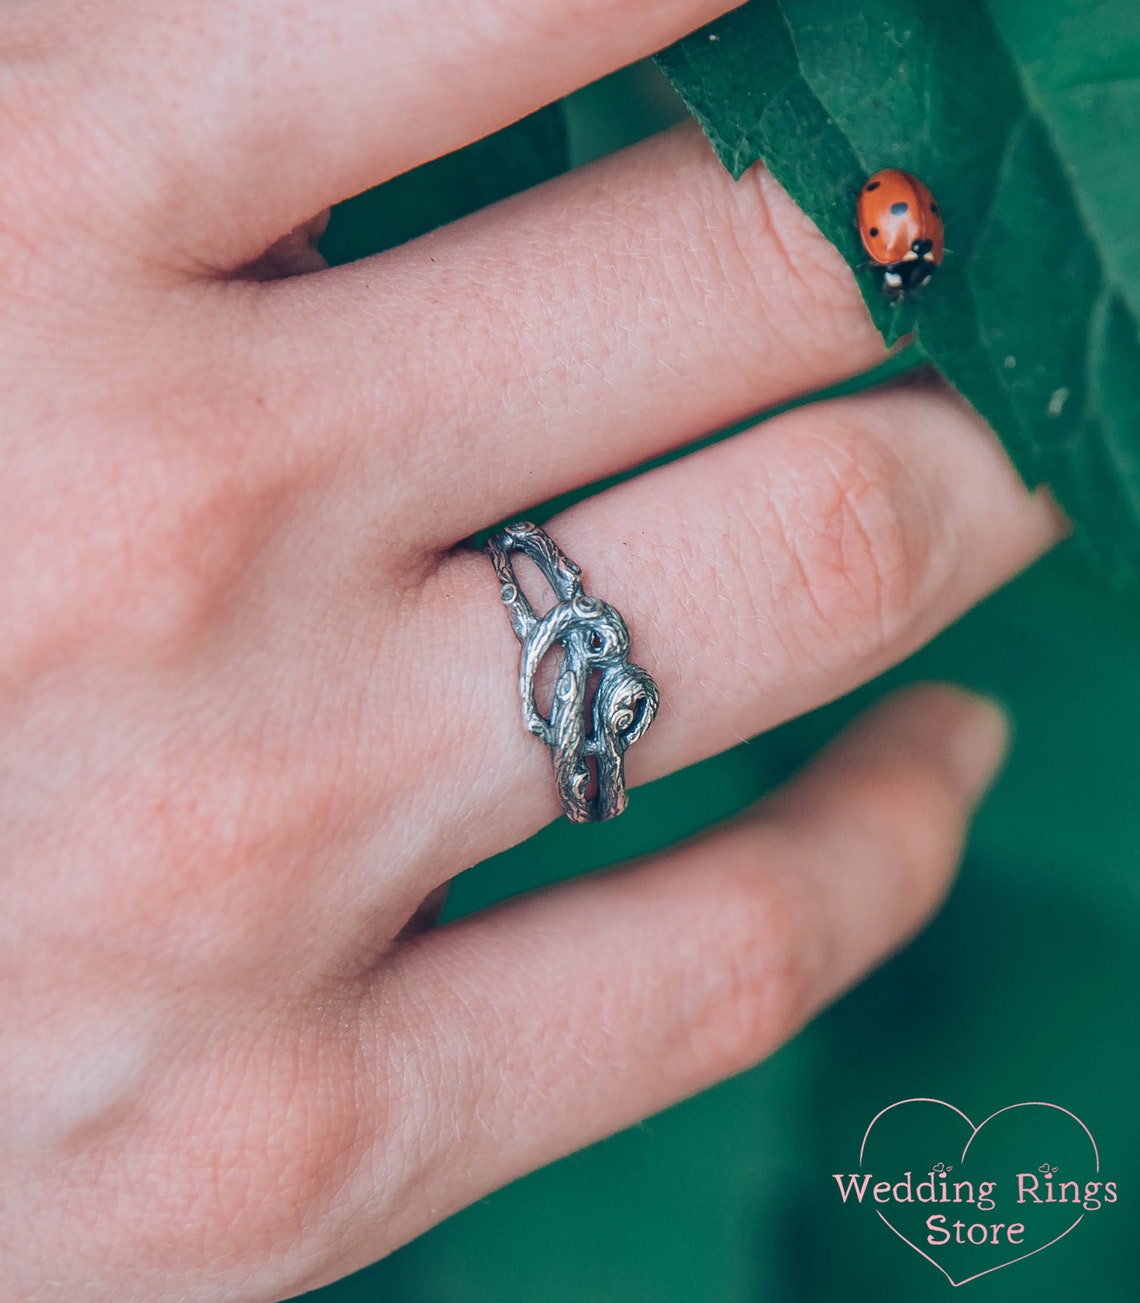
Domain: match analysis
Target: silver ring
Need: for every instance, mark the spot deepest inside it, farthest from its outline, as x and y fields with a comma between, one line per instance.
x=588, y=735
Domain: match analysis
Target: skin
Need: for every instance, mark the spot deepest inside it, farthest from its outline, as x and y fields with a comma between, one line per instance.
x=255, y=705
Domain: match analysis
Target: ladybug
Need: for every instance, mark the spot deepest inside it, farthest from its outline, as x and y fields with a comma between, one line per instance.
x=901, y=228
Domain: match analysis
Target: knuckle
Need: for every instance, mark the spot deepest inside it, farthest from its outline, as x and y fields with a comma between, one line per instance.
x=56, y=205
x=126, y=574
x=855, y=534
x=241, y=1155
x=783, y=261
x=205, y=849
x=757, y=973
x=258, y=1165
x=139, y=548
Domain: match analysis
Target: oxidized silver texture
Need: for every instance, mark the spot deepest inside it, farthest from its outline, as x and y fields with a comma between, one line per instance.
x=594, y=637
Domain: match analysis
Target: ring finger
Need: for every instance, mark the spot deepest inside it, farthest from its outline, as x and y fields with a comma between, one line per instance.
x=760, y=578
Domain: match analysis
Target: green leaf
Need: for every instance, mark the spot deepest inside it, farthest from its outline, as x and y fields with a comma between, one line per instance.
x=529, y=151
x=1023, y=116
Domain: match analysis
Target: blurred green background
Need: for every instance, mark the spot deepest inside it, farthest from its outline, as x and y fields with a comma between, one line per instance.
x=1025, y=987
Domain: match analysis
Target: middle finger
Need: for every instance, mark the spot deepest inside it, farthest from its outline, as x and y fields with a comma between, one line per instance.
x=570, y=333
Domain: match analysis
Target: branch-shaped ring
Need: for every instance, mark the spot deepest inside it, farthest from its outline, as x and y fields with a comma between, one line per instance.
x=587, y=732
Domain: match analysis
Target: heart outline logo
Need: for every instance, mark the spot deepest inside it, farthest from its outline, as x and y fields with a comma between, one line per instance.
x=974, y=1130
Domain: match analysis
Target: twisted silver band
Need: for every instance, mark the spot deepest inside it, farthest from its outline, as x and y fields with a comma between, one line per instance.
x=588, y=735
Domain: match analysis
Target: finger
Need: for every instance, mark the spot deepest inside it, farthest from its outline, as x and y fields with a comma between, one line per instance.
x=759, y=578
x=245, y=119
x=572, y=332
x=563, y=1016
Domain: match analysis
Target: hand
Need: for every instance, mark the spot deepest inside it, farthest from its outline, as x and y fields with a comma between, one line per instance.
x=256, y=705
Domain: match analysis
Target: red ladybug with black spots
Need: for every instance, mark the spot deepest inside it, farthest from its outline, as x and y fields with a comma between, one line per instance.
x=901, y=229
